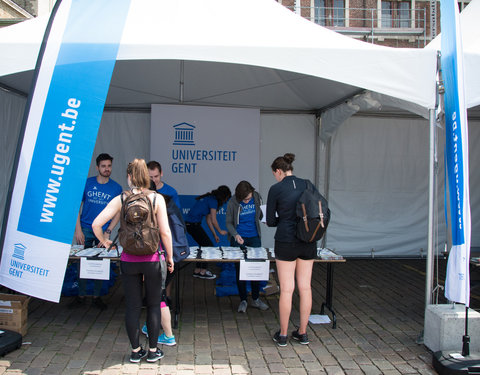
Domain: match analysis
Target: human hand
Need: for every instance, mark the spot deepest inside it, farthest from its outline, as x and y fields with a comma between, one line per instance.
x=222, y=232
x=80, y=238
x=217, y=239
x=239, y=239
x=170, y=265
x=105, y=243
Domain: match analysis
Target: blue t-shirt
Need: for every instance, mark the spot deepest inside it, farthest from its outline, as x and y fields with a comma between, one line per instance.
x=171, y=192
x=246, y=221
x=95, y=197
x=201, y=208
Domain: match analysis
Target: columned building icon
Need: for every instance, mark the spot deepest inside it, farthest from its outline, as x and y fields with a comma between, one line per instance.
x=184, y=134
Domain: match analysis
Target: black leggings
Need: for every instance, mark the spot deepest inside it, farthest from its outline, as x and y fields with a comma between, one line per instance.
x=201, y=238
x=134, y=276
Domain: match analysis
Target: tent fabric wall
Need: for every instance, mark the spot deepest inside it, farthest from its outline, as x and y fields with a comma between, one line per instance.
x=378, y=174
x=379, y=187
x=125, y=136
x=279, y=134
x=11, y=115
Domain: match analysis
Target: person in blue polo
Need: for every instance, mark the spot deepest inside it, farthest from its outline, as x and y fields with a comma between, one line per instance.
x=206, y=206
x=99, y=191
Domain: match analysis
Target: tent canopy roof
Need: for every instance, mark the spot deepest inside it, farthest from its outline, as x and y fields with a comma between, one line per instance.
x=244, y=53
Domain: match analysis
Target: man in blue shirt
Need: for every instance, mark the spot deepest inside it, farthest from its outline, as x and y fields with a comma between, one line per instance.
x=99, y=190
x=156, y=174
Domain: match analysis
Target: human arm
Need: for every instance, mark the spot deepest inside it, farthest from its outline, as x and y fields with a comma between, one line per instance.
x=208, y=219
x=164, y=228
x=272, y=219
x=79, y=236
x=230, y=220
x=111, y=211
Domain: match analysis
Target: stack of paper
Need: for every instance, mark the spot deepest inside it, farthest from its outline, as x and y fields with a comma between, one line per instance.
x=327, y=254
x=75, y=248
x=211, y=253
x=257, y=253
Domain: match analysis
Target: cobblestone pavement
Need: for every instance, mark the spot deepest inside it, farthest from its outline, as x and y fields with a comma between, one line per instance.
x=379, y=306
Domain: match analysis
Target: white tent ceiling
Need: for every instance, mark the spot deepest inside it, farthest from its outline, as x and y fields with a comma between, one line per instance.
x=243, y=53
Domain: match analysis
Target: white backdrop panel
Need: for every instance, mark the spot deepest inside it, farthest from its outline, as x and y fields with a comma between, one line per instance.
x=216, y=146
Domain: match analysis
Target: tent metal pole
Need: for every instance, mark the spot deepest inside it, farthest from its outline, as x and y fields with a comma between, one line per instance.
x=431, y=210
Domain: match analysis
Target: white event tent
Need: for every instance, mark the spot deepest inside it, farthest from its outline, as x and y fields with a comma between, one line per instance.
x=258, y=54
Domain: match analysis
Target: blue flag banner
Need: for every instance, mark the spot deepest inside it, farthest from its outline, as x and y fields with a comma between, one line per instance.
x=72, y=80
x=457, y=283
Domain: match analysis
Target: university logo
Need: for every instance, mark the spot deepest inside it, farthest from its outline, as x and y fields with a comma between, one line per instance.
x=184, y=134
x=19, y=251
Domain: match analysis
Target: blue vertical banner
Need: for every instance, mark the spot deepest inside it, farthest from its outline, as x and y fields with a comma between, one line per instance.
x=61, y=124
x=457, y=283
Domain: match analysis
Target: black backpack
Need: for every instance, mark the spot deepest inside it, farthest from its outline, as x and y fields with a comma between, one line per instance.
x=138, y=233
x=181, y=249
x=313, y=214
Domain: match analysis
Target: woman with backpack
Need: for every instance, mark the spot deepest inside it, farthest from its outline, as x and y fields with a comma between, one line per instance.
x=206, y=205
x=294, y=259
x=140, y=267
x=243, y=226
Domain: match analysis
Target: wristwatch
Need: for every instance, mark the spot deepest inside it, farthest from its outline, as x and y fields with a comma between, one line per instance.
x=108, y=231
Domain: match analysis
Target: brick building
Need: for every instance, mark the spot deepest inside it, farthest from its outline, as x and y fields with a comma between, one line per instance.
x=395, y=23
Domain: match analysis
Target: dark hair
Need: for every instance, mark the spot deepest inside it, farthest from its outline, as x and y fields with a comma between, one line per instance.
x=222, y=195
x=152, y=187
x=242, y=190
x=154, y=165
x=138, y=172
x=283, y=163
x=103, y=157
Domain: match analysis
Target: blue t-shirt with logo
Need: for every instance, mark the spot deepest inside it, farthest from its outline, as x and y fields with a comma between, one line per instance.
x=246, y=221
x=201, y=208
x=171, y=192
x=95, y=197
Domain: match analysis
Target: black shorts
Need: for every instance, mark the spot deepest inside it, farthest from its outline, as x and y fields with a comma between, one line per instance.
x=291, y=251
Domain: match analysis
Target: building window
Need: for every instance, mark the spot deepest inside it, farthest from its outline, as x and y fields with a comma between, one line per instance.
x=320, y=12
x=338, y=12
x=395, y=14
x=330, y=15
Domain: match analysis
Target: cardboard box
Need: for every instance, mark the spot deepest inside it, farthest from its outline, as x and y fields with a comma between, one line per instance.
x=13, y=312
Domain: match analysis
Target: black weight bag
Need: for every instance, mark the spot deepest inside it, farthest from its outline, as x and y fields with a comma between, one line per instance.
x=9, y=341
x=313, y=214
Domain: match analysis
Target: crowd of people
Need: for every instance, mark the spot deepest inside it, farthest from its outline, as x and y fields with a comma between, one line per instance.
x=146, y=277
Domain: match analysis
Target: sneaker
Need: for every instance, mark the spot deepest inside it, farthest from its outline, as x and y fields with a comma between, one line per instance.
x=144, y=330
x=154, y=356
x=97, y=301
x=279, y=339
x=197, y=274
x=302, y=339
x=207, y=275
x=135, y=357
x=259, y=304
x=165, y=340
x=76, y=302
x=242, y=307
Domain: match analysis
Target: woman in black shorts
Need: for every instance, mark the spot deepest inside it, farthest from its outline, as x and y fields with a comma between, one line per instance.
x=294, y=258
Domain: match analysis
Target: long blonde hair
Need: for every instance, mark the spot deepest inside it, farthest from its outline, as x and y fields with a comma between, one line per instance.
x=138, y=172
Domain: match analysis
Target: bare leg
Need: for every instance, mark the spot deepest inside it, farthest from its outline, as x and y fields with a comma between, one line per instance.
x=286, y=277
x=166, y=319
x=304, y=278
